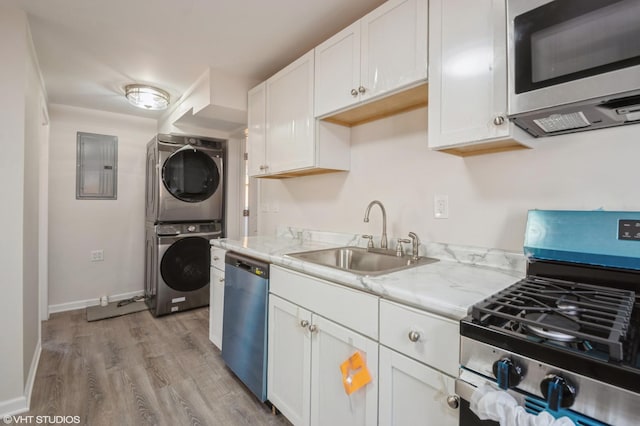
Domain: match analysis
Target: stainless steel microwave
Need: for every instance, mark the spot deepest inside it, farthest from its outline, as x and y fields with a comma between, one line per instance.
x=574, y=65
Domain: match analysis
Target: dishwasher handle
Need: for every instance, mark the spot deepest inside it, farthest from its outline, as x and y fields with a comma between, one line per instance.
x=247, y=264
x=242, y=265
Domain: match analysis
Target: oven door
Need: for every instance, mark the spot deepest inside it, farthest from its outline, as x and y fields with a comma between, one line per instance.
x=466, y=385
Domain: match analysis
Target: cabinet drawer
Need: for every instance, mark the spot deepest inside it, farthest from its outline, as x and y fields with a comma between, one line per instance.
x=217, y=257
x=351, y=308
x=437, y=342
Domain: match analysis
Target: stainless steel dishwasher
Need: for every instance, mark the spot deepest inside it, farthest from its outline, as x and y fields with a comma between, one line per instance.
x=244, y=324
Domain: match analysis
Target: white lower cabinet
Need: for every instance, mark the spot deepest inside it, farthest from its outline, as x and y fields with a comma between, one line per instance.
x=412, y=393
x=289, y=360
x=417, y=391
x=331, y=345
x=305, y=381
x=216, y=296
x=316, y=325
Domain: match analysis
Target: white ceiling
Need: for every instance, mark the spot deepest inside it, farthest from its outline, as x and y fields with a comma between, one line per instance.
x=89, y=50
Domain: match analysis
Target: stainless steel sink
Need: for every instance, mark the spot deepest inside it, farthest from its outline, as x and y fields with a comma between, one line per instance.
x=360, y=261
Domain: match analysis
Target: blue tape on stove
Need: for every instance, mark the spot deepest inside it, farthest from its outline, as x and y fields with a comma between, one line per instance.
x=592, y=237
x=535, y=406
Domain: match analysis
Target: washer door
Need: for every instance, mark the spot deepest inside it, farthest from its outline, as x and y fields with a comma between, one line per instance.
x=185, y=264
x=190, y=175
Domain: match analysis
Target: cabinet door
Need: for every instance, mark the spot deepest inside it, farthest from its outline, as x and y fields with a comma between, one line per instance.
x=216, y=307
x=256, y=123
x=394, y=46
x=411, y=393
x=331, y=345
x=337, y=71
x=290, y=120
x=467, y=72
x=289, y=360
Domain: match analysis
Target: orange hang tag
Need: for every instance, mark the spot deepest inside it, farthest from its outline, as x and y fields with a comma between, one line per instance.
x=355, y=373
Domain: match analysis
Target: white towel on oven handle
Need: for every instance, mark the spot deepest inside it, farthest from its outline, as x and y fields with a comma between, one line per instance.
x=491, y=404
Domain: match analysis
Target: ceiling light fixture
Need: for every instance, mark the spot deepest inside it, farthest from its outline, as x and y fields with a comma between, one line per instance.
x=146, y=97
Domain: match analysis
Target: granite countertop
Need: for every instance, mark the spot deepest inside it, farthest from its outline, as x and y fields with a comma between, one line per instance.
x=450, y=287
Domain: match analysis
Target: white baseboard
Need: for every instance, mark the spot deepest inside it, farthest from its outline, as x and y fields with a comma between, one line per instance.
x=13, y=406
x=31, y=378
x=81, y=304
x=21, y=404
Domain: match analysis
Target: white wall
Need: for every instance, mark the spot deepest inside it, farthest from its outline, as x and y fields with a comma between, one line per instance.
x=12, y=109
x=489, y=195
x=21, y=137
x=36, y=137
x=76, y=227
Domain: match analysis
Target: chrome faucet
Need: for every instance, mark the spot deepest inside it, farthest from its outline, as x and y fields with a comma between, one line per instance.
x=415, y=243
x=383, y=239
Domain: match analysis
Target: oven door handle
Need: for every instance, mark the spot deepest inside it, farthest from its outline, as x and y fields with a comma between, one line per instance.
x=468, y=381
x=464, y=390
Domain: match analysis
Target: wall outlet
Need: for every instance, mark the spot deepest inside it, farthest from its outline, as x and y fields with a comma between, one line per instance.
x=97, y=255
x=441, y=206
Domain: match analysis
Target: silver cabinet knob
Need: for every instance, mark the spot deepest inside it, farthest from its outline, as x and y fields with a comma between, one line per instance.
x=263, y=167
x=499, y=120
x=354, y=92
x=453, y=401
x=216, y=258
x=313, y=328
x=414, y=336
x=221, y=280
x=361, y=89
x=304, y=323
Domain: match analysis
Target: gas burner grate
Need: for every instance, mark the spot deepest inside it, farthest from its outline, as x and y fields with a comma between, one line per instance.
x=566, y=309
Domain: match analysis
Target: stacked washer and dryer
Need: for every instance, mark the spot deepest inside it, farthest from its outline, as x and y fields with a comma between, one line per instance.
x=184, y=210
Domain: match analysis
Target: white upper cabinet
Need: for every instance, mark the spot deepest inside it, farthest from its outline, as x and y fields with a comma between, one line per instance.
x=394, y=46
x=384, y=51
x=338, y=71
x=284, y=138
x=290, y=123
x=468, y=77
x=256, y=125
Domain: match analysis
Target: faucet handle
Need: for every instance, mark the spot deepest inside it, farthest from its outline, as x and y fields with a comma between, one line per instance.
x=399, y=248
x=370, y=238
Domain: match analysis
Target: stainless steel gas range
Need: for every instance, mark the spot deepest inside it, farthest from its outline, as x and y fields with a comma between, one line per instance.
x=566, y=339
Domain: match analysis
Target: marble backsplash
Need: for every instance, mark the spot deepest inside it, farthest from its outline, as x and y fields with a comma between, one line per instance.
x=478, y=256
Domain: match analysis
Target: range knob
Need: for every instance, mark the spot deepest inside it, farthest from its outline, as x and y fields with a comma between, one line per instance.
x=558, y=391
x=508, y=373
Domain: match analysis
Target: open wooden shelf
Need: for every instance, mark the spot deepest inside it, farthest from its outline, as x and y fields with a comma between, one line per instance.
x=405, y=100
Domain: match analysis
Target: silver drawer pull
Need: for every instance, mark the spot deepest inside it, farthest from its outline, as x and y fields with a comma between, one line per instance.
x=221, y=280
x=304, y=323
x=453, y=401
x=313, y=328
x=414, y=336
x=216, y=258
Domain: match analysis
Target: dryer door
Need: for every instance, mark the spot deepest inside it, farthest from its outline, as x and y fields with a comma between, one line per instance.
x=185, y=264
x=190, y=175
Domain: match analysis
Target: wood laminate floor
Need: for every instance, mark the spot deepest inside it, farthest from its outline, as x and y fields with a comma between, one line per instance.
x=140, y=370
